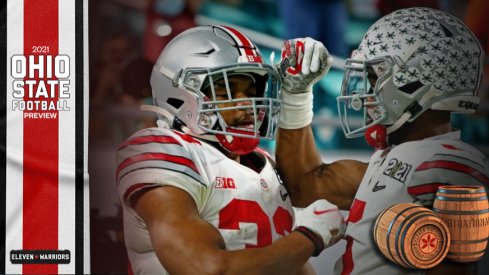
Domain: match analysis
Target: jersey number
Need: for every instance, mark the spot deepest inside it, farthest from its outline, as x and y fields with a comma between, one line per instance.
x=244, y=211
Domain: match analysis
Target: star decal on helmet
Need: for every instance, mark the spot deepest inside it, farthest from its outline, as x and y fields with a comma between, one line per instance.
x=407, y=20
x=400, y=79
x=427, y=63
x=423, y=36
x=463, y=83
x=452, y=69
x=412, y=74
x=439, y=85
x=451, y=86
x=465, y=54
x=441, y=60
x=436, y=47
x=417, y=27
x=440, y=74
x=390, y=35
x=432, y=24
x=384, y=47
x=419, y=47
x=410, y=40
x=448, y=42
x=403, y=31
x=372, y=51
x=426, y=78
x=460, y=40
x=453, y=54
x=422, y=50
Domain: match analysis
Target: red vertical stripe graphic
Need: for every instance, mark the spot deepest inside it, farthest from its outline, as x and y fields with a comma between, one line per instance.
x=40, y=197
x=245, y=45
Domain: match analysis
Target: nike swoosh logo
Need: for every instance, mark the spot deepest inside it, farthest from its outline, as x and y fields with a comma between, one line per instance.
x=316, y=212
x=378, y=187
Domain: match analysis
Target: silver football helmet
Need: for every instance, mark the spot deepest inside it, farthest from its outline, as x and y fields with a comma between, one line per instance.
x=190, y=65
x=409, y=61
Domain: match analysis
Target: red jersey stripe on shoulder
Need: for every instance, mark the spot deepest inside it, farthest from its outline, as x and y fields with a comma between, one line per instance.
x=455, y=166
x=157, y=156
x=424, y=188
x=451, y=147
x=187, y=138
x=135, y=188
x=356, y=211
x=149, y=139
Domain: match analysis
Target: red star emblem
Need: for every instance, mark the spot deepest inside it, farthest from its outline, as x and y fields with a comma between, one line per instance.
x=428, y=243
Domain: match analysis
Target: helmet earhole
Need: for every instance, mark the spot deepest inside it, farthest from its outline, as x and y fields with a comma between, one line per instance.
x=175, y=102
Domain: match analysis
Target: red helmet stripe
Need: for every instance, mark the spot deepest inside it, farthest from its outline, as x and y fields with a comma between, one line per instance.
x=245, y=46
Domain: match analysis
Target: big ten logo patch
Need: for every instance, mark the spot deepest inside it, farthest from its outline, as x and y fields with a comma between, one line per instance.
x=397, y=170
x=224, y=183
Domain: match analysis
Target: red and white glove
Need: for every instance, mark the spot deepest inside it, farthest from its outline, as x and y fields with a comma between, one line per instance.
x=304, y=62
x=320, y=218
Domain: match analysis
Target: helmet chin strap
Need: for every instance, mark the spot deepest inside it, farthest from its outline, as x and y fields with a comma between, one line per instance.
x=233, y=144
x=170, y=117
x=158, y=110
x=377, y=135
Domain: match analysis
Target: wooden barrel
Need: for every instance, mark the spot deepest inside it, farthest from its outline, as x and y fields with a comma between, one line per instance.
x=412, y=236
x=465, y=211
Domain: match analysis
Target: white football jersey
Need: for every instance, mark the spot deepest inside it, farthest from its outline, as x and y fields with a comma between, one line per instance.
x=410, y=172
x=249, y=208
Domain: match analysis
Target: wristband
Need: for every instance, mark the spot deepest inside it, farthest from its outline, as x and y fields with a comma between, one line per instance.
x=317, y=241
x=296, y=110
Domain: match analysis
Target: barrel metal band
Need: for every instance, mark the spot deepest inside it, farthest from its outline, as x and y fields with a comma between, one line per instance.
x=461, y=199
x=465, y=191
x=401, y=254
x=405, y=232
x=376, y=224
x=468, y=241
x=442, y=211
x=466, y=253
x=390, y=228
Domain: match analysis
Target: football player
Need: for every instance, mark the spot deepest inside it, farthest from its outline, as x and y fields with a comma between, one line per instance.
x=196, y=191
x=413, y=68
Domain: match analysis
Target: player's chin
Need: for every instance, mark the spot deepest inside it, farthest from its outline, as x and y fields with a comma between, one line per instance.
x=246, y=125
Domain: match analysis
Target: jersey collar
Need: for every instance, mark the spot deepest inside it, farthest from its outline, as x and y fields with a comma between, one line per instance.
x=450, y=135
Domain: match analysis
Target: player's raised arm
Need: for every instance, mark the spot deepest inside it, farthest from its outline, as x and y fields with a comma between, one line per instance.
x=304, y=62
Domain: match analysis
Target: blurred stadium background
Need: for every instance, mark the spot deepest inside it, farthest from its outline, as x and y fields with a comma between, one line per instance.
x=126, y=36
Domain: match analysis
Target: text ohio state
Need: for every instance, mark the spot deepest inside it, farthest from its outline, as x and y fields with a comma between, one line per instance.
x=40, y=82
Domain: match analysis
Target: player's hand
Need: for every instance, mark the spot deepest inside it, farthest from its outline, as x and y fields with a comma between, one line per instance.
x=304, y=62
x=324, y=219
